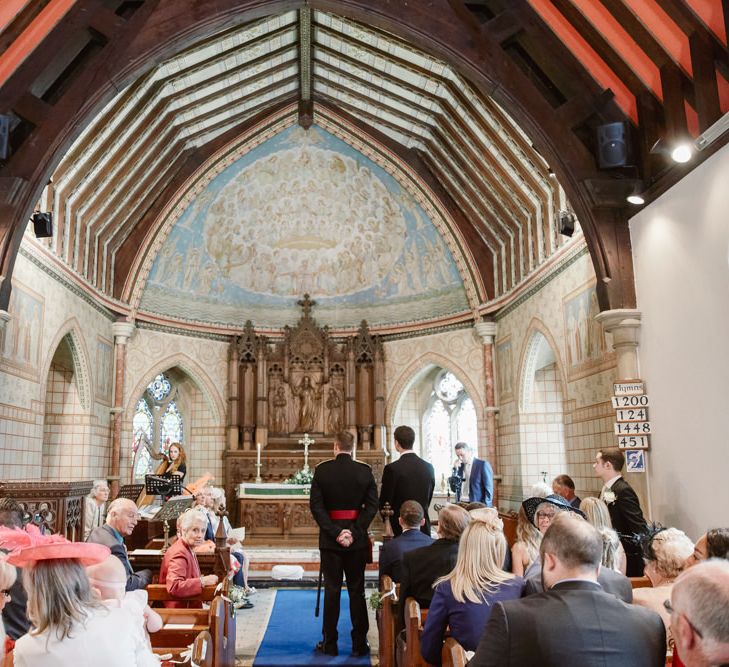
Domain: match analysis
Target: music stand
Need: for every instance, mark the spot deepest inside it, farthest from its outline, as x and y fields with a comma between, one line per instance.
x=169, y=511
x=163, y=486
x=131, y=491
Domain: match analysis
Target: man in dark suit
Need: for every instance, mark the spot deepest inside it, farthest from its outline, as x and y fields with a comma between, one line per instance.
x=476, y=476
x=343, y=502
x=411, y=519
x=623, y=505
x=408, y=478
x=575, y=623
x=121, y=518
x=421, y=567
x=564, y=486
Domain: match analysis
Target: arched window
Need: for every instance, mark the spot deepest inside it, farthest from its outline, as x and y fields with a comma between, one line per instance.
x=449, y=418
x=157, y=423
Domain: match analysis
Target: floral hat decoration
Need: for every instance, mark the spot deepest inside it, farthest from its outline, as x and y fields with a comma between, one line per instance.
x=530, y=506
x=28, y=546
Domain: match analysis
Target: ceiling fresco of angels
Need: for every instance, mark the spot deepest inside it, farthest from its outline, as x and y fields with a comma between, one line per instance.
x=304, y=213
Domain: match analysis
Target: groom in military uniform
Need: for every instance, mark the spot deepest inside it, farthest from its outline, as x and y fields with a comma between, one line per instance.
x=343, y=502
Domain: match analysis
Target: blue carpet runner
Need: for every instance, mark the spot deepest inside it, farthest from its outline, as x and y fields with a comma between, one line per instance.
x=293, y=632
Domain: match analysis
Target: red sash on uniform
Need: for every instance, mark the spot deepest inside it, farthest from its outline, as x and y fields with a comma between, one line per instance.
x=343, y=515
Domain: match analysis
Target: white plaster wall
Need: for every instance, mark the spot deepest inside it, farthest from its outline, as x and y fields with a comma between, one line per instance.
x=681, y=254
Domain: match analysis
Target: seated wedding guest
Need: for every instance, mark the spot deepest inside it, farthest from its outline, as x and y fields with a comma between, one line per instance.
x=203, y=500
x=95, y=506
x=464, y=598
x=108, y=580
x=411, y=518
x=613, y=554
x=713, y=544
x=665, y=551
x=563, y=486
x=8, y=576
x=180, y=571
x=421, y=567
x=526, y=548
x=178, y=461
x=14, y=616
x=574, y=623
x=541, y=512
x=699, y=609
x=121, y=517
x=70, y=626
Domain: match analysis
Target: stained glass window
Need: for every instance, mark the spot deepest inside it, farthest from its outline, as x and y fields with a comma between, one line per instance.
x=448, y=387
x=156, y=420
x=466, y=423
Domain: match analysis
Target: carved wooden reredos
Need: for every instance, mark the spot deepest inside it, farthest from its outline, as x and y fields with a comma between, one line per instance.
x=306, y=382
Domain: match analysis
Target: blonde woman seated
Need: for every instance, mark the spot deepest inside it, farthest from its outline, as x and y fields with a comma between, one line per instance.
x=180, y=571
x=70, y=626
x=665, y=552
x=613, y=554
x=463, y=599
x=526, y=548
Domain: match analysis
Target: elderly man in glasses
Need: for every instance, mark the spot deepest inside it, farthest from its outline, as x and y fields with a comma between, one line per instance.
x=699, y=609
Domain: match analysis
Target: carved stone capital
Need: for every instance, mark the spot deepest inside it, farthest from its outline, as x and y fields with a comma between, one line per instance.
x=123, y=331
x=624, y=325
x=486, y=331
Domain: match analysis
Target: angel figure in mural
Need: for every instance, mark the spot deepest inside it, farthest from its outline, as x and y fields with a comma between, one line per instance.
x=308, y=404
x=334, y=405
x=278, y=410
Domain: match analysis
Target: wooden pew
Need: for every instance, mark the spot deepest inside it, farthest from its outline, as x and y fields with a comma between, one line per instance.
x=640, y=582
x=414, y=621
x=387, y=622
x=202, y=650
x=453, y=654
x=157, y=593
x=510, y=520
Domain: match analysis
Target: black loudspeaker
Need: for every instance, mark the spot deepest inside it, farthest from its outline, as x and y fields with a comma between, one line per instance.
x=4, y=136
x=612, y=145
x=566, y=223
x=43, y=225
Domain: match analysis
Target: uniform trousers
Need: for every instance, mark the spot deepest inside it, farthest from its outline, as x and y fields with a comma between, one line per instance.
x=335, y=564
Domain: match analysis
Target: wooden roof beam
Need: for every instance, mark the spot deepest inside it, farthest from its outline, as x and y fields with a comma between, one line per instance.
x=706, y=87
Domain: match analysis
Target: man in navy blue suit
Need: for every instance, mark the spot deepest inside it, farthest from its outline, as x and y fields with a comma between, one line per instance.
x=412, y=517
x=476, y=475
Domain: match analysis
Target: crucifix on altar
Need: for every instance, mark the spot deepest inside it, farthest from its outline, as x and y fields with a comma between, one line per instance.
x=307, y=442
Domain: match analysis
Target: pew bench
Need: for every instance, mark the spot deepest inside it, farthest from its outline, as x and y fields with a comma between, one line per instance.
x=640, y=582
x=453, y=654
x=388, y=622
x=414, y=622
x=158, y=593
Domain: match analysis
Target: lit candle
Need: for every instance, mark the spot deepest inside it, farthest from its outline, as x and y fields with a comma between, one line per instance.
x=258, y=453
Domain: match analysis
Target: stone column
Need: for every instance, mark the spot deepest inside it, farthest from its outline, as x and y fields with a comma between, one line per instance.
x=233, y=359
x=4, y=319
x=123, y=331
x=487, y=333
x=624, y=325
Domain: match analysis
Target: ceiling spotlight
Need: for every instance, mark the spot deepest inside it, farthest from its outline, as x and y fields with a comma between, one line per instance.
x=636, y=199
x=682, y=152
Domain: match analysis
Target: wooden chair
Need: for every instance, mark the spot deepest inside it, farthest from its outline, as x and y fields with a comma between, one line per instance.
x=453, y=654
x=414, y=621
x=387, y=621
x=640, y=582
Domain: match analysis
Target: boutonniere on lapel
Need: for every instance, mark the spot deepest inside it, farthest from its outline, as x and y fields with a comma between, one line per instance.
x=609, y=496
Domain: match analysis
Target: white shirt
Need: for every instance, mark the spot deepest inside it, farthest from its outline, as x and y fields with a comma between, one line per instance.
x=466, y=481
x=609, y=485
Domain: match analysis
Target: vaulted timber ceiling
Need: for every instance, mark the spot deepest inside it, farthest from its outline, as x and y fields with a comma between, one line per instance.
x=661, y=66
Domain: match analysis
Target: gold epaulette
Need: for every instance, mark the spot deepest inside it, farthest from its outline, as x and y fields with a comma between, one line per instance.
x=324, y=461
x=362, y=463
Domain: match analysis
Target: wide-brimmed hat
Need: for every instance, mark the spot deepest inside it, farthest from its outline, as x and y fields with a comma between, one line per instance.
x=29, y=546
x=530, y=506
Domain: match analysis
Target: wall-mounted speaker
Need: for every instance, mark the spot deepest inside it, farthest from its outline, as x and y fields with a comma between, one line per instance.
x=612, y=145
x=42, y=225
x=566, y=223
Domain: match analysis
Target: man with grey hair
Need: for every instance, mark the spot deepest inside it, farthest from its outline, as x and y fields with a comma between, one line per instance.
x=574, y=622
x=699, y=608
x=121, y=518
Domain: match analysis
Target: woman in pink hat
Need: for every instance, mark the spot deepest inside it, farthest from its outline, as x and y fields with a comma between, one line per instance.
x=70, y=626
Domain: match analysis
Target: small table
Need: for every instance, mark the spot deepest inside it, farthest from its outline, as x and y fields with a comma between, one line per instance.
x=277, y=514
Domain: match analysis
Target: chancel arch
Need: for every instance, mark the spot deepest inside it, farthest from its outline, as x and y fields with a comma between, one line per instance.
x=541, y=430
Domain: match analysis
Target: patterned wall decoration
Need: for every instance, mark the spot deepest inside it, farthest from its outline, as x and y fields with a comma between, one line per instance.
x=104, y=369
x=20, y=341
x=304, y=213
x=587, y=348
x=504, y=370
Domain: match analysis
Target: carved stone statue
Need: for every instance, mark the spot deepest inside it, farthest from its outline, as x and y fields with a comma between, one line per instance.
x=334, y=405
x=278, y=410
x=308, y=404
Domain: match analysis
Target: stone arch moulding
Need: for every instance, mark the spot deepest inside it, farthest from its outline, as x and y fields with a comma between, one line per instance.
x=536, y=326
x=431, y=359
x=157, y=30
x=81, y=366
x=193, y=370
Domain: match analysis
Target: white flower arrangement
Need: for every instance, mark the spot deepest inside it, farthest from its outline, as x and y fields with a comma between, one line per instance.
x=609, y=496
x=303, y=476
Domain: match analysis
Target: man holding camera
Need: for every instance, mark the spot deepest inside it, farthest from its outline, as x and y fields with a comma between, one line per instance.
x=472, y=479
